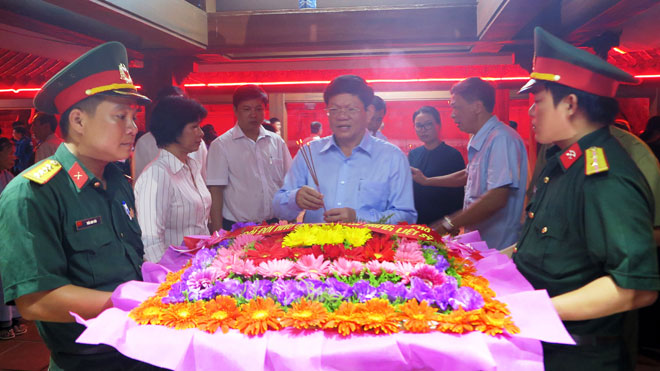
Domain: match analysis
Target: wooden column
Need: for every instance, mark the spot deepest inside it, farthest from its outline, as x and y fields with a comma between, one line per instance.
x=277, y=108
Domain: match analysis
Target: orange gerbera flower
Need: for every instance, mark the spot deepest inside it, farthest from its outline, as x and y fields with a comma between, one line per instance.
x=149, y=312
x=258, y=315
x=344, y=319
x=480, y=284
x=170, y=279
x=306, y=314
x=183, y=315
x=418, y=317
x=378, y=315
x=220, y=313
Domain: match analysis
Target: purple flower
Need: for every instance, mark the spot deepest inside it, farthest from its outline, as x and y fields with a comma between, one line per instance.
x=468, y=298
x=337, y=288
x=259, y=288
x=229, y=287
x=364, y=291
x=443, y=293
x=393, y=290
x=315, y=288
x=287, y=291
x=203, y=258
x=420, y=291
x=239, y=225
x=442, y=263
x=176, y=293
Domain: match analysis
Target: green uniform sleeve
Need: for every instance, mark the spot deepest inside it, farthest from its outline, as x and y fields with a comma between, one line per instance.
x=618, y=220
x=32, y=258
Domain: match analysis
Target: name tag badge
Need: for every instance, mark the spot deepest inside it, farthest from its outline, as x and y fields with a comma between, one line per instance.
x=87, y=223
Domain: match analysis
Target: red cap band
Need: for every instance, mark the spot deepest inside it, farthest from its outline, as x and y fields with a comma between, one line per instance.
x=78, y=91
x=576, y=77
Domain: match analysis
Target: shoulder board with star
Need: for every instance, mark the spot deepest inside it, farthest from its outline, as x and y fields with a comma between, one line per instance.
x=595, y=161
x=43, y=172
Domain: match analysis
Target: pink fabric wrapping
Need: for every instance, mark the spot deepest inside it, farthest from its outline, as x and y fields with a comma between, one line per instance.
x=192, y=349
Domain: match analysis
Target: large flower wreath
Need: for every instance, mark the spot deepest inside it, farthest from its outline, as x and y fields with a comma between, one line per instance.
x=348, y=278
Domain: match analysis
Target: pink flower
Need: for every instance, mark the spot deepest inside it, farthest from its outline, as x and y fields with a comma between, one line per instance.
x=409, y=251
x=247, y=268
x=377, y=267
x=405, y=270
x=429, y=274
x=345, y=267
x=202, y=279
x=280, y=268
x=231, y=251
x=310, y=267
x=245, y=239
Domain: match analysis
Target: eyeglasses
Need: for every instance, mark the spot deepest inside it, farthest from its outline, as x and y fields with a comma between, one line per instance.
x=336, y=111
x=259, y=109
x=425, y=126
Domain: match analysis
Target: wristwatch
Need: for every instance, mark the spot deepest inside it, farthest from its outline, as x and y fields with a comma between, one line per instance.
x=447, y=224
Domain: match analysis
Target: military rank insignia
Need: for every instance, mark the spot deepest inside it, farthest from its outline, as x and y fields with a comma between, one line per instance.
x=595, y=161
x=43, y=172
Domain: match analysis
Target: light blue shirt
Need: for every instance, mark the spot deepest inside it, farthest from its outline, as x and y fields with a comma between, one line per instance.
x=375, y=180
x=497, y=158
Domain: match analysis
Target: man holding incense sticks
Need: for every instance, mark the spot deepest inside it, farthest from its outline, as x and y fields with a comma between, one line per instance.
x=360, y=177
x=246, y=165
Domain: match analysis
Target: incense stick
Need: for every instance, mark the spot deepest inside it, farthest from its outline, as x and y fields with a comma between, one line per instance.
x=309, y=161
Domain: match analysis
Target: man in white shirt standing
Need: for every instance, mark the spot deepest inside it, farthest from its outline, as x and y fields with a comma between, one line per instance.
x=246, y=165
x=43, y=130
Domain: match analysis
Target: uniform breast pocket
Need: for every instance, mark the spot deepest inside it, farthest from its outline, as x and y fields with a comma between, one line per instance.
x=373, y=194
x=556, y=258
x=90, y=255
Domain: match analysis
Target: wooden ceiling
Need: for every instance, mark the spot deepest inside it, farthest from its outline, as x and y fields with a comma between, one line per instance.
x=37, y=36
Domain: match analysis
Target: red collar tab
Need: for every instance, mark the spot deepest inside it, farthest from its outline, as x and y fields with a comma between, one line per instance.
x=78, y=175
x=572, y=154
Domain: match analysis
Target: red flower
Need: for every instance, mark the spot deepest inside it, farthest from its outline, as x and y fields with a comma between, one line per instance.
x=380, y=247
x=263, y=253
x=296, y=253
x=356, y=253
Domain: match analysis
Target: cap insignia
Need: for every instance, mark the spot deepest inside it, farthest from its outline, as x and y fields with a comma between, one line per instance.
x=124, y=75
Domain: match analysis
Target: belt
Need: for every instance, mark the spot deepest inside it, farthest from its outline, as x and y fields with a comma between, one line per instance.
x=596, y=340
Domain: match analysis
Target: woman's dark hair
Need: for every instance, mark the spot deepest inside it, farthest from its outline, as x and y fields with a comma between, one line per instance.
x=248, y=92
x=349, y=84
x=429, y=111
x=598, y=109
x=475, y=89
x=171, y=115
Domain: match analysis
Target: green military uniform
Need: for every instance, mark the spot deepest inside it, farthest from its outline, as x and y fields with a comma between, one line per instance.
x=63, y=234
x=580, y=228
x=591, y=214
x=64, y=226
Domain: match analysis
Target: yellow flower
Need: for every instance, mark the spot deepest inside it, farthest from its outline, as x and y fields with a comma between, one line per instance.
x=326, y=234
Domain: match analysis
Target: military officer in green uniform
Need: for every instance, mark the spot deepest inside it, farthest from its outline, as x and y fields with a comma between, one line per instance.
x=71, y=235
x=588, y=236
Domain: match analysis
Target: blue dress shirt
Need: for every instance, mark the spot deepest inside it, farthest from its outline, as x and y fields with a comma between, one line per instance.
x=375, y=180
x=497, y=158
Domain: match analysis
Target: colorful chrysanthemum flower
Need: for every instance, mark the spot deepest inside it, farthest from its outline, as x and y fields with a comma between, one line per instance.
x=310, y=267
x=182, y=315
x=221, y=312
x=278, y=268
x=305, y=314
x=379, y=316
x=258, y=316
x=418, y=317
x=345, y=319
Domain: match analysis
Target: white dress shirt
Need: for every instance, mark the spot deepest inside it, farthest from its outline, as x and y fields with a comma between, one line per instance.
x=169, y=204
x=47, y=147
x=252, y=172
x=146, y=151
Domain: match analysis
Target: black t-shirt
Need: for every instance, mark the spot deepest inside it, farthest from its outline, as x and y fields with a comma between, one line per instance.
x=432, y=203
